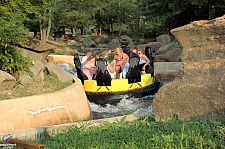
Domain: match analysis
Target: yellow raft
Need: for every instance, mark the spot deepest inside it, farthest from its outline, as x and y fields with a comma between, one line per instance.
x=119, y=89
x=118, y=85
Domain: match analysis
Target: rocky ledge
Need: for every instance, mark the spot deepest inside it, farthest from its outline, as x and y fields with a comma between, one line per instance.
x=201, y=90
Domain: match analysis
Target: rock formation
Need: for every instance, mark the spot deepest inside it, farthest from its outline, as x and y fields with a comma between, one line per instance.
x=37, y=50
x=7, y=81
x=201, y=91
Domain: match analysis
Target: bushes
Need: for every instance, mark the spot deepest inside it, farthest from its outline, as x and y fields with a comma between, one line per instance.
x=12, y=61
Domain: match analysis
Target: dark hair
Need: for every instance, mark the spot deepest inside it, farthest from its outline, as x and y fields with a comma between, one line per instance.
x=126, y=50
x=96, y=52
x=136, y=48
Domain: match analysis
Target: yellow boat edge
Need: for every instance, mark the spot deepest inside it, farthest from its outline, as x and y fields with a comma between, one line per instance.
x=118, y=85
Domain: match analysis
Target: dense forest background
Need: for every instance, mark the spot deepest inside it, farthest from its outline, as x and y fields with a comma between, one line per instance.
x=113, y=17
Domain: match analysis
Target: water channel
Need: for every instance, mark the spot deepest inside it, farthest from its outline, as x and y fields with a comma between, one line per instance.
x=124, y=107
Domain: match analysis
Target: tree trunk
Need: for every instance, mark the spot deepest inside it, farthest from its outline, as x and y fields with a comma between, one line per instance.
x=41, y=26
x=120, y=30
x=100, y=31
x=211, y=9
x=111, y=28
x=43, y=32
x=73, y=30
x=49, y=25
x=82, y=30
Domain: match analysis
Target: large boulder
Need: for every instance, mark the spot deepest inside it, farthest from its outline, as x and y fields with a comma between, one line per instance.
x=164, y=39
x=125, y=40
x=25, y=78
x=38, y=70
x=168, y=71
x=113, y=43
x=168, y=53
x=88, y=42
x=37, y=50
x=38, y=73
x=201, y=91
x=163, y=49
x=7, y=81
x=154, y=45
x=61, y=74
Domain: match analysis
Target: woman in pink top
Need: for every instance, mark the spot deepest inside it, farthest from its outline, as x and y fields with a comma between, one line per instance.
x=88, y=67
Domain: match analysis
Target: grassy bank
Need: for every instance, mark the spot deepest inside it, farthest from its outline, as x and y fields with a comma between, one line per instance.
x=48, y=85
x=140, y=134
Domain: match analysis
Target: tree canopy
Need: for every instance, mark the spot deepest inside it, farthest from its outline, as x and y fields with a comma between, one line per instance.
x=17, y=17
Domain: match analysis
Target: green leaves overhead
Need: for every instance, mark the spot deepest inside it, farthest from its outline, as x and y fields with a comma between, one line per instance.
x=12, y=29
x=174, y=13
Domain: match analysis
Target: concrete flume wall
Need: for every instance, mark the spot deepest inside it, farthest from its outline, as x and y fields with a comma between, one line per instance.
x=64, y=106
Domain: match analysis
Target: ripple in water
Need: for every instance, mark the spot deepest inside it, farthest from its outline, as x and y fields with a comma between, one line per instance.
x=124, y=107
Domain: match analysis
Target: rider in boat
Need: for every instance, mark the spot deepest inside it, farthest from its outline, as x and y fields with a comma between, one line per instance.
x=88, y=67
x=144, y=61
x=121, y=59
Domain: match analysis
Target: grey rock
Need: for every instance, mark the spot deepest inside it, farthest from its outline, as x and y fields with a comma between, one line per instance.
x=163, y=49
x=88, y=42
x=61, y=74
x=25, y=78
x=164, y=39
x=38, y=70
x=7, y=81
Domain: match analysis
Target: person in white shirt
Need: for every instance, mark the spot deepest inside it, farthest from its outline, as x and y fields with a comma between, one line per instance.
x=84, y=59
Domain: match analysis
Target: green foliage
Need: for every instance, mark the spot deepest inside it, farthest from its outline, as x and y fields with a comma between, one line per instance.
x=176, y=44
x=141, y=133
x=174, y=13
x=72, y=46
x=109, y=59
x=57, y=53
x=12, y=61
x=12, y=30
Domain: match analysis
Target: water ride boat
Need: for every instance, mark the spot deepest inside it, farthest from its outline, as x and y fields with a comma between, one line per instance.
x=119, y=89
x=104, y=90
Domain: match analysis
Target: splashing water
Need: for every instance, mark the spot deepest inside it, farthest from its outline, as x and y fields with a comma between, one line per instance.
x=124, y=107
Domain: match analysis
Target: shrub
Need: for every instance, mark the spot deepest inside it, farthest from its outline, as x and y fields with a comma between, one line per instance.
x=12, y=61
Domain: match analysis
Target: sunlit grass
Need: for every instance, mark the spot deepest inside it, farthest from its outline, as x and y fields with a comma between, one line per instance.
x=142, y=133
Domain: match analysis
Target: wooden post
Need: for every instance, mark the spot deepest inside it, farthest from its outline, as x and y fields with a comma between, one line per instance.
x=26, y=144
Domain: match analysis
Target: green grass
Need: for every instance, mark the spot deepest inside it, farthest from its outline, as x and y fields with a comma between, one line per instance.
x=176, y=44
x=57, y=53
x=48, y=85
x=73, y=46
x=140, y=134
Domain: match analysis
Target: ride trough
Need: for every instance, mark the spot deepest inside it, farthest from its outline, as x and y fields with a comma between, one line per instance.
x=104, y=90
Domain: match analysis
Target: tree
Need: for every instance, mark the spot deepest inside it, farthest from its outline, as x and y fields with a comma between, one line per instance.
x=171, y=14
x=115, y=13
x=42, y=12
x=75, y=14
x=12, y=29
x=12, y=32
